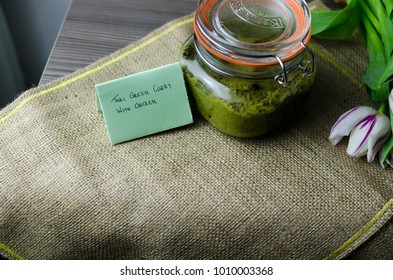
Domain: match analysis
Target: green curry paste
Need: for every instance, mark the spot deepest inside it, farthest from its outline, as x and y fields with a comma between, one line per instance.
x=242, y=107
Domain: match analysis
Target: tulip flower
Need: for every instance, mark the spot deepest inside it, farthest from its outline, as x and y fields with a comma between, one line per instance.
x=367, y=128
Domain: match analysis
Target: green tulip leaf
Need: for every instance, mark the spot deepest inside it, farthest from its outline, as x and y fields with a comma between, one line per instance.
x=387, y=74
x=337, y=24
x=388, y=6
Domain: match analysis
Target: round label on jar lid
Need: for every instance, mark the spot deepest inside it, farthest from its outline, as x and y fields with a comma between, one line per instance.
x=247, y=21
x=253, y=32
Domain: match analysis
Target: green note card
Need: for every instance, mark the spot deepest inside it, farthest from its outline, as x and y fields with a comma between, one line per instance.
x=145, y=103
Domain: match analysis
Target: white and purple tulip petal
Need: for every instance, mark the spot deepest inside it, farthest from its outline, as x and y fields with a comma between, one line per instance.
x=391, y=101
x=347, y=121
x=378, y=136
x=358, y=140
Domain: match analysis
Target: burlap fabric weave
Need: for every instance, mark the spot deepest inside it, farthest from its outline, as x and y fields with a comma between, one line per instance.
x=193, y=192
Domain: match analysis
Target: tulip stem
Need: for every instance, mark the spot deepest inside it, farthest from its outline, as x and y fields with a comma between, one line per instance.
x=382, y=108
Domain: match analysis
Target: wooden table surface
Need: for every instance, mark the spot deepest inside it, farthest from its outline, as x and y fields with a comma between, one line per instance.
x=95, y=28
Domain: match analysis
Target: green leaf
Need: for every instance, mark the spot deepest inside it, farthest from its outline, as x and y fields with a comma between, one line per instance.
x=374, y=44
x=381, y=95
x=374, y=71
x=377, y=65
x=362, y=32
x=388, y=146
x=388, y=6
x=386, y=30
x=387, y=149
x=321, y=20
x=369, y=10
x=387, y=74
x=337, y=24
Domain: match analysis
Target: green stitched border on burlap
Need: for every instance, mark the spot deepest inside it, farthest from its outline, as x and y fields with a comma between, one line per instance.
x=11, y=252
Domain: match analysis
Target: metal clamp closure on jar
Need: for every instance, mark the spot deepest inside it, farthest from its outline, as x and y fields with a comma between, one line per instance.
x=282, y=78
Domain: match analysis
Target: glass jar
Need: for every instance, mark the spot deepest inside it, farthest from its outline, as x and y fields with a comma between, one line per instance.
x=247, y=64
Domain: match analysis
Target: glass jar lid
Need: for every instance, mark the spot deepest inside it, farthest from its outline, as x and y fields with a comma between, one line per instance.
x=253, y=32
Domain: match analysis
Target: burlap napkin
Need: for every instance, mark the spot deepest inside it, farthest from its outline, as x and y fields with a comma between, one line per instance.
x=191, y=193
